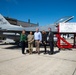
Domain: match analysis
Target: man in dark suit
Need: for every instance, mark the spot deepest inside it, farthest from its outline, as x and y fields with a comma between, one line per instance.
x=51, y=41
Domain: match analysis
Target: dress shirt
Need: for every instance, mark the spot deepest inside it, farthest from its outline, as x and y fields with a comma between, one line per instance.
x=38, y=36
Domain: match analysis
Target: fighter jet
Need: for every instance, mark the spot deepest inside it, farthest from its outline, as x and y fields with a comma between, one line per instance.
x=8, y=30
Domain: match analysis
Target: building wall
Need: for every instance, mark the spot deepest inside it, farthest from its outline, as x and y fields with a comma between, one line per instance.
x=26, y=24
x=11, y=20
x=22, y=23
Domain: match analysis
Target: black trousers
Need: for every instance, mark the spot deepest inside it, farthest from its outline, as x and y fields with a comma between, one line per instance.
x=44, y=47
x=23, y=46
x=51, y=43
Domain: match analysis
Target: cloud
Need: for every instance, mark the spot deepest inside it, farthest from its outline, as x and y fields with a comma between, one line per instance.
x=14, y=1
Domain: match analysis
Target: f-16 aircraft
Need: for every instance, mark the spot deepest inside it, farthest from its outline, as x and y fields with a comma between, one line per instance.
x=8, y=30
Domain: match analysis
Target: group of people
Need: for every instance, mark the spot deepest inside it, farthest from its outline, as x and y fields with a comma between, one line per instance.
x=38, y=38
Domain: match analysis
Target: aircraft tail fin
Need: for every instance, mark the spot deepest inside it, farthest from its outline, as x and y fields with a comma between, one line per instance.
x=3, y=20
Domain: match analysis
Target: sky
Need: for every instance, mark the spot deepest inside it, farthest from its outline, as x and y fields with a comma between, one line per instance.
x=44, y=12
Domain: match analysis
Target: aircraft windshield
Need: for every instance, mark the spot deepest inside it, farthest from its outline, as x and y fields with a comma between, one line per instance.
x=64, y=19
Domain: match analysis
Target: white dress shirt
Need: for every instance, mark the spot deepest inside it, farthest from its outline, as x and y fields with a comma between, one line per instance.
x=38, y=36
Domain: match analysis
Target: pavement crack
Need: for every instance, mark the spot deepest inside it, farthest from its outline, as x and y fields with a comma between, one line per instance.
x=11, y=59
x=60, y=58
x=74, y=71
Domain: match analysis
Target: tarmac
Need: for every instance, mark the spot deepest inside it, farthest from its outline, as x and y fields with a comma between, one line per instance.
x=13, y=62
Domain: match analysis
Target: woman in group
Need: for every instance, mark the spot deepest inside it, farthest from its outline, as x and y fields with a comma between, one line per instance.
x=23, y=40
x=30, y=42
x=44, y=40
